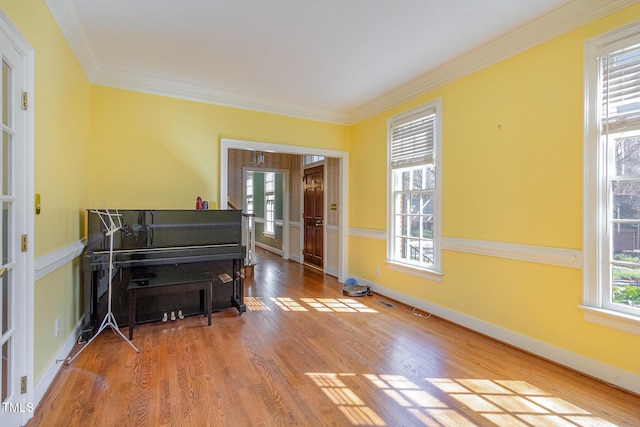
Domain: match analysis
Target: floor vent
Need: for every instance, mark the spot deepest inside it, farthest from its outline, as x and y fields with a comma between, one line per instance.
x=385, y=304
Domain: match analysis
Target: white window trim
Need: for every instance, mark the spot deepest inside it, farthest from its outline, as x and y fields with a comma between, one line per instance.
x=595, y=186
x=267, y=194
x=434, y=273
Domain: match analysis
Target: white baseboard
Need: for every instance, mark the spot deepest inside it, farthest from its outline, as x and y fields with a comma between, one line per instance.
x=58, y=362
x=608, y=374
x=269, y=248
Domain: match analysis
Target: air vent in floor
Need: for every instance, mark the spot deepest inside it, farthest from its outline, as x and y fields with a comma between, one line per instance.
x=385, y=304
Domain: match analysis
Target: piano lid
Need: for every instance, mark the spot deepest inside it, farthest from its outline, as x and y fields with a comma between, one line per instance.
x=155, y=229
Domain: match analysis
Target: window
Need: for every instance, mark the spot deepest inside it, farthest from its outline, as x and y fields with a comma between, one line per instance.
x=270, y=203
x=612, y=174
x=249, y=198
x=311, y=159
x=414, y=190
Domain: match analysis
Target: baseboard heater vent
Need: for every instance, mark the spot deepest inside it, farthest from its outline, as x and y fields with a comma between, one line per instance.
x=385, y=304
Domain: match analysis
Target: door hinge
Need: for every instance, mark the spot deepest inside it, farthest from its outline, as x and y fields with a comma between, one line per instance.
x=23, y=385
x=25, y=241
x=25, y=101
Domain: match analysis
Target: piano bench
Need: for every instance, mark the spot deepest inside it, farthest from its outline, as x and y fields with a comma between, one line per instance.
x=167, y=281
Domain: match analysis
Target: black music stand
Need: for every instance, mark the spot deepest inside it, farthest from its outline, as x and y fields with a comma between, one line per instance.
x=109, y=319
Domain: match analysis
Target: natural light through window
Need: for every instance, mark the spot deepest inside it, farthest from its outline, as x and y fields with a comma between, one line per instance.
x=256, y=304
x=338, y=305
x=288, y=304
x=346, y=399
x=327, y=305
x=447, y=401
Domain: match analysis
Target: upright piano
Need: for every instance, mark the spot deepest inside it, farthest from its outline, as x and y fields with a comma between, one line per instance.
x=151, y=241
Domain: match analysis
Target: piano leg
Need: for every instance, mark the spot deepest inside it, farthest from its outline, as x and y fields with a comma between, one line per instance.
x=237, y=299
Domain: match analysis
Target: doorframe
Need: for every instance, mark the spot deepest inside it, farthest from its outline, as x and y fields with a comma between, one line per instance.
x=285, y=201
x=227, y=144
x=11, y=32
x=325, y=212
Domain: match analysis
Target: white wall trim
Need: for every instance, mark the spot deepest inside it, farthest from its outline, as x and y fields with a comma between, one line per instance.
x=611, y=319
x=608, y=374
x=571, y=258
x=53, y=260
x=560, y=257
x=367, y=233
x=332, y=229
x=57, y=362
x=269, y=248
x=66, y=16
x=562, y=20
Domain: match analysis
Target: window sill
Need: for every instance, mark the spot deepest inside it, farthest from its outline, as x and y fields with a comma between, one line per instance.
x=433, y=275
x=612, y=319
x=269, y=235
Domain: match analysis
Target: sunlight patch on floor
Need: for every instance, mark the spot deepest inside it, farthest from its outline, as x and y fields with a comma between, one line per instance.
x=515, y=403
x=288, y=304
x=448, y=402
x=256, y=304
x=346, y=399
x=326, y=305
x=341, y=305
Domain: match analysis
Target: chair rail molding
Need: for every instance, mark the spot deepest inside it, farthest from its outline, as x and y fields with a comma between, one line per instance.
x=53, y=260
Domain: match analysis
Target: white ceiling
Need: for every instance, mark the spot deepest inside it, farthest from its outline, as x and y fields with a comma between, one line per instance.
x=323, y=59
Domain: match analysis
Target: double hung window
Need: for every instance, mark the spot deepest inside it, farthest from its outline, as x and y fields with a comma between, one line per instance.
x=612, y=173
x=414, y=189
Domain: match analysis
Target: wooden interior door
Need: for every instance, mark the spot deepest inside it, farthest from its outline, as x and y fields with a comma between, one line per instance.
x=314, y=216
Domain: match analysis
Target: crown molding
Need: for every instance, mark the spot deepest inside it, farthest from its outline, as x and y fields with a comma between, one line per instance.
x=560, y=21
x=566, y=18
x=68, y=21
x=192, y=92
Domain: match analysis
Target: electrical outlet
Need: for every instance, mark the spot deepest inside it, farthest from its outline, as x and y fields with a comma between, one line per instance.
x=377, y=270
x=57, y=327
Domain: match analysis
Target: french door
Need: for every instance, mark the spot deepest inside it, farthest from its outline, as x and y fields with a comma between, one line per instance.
x=15, y=350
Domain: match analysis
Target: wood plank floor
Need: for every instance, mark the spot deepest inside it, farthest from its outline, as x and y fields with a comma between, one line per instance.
x=305, y=355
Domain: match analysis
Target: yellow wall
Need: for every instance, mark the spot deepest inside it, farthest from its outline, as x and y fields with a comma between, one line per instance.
x=512, y=172
x=61, y=105
x=156, y=152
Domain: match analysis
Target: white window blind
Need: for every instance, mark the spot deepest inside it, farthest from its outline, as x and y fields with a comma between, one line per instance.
x=621, y=90
x=412, y=139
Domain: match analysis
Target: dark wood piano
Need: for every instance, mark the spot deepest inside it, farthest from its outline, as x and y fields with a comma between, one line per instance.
x=152, y=242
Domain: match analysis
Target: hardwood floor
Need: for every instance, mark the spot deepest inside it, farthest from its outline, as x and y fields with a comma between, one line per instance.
x=305, y=355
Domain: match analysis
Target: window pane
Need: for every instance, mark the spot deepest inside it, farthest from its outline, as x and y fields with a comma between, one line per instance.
x=414, y=247
x=6, y=237
x=417, y=179
x=626, y=287
x=5, y=295
x=626, y=199
x=415, y=203
x=6, y=94
x=427, y=204
x=5, y=371
x=406, y=180
x=6, y=163
x=427, y=251
x=415, y=226
x=626, y=241
x=628, y=156
x=427, y=227
x=430, y=172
